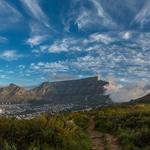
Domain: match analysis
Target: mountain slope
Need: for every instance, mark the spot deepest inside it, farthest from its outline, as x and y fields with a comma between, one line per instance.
x=144, y=99
x=14, y=93
x=87, y=91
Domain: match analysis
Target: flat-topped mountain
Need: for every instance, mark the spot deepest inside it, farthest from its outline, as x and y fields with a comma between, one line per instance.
x=87, y=91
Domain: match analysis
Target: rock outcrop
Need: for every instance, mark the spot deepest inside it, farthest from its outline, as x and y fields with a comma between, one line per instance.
x=14, y=93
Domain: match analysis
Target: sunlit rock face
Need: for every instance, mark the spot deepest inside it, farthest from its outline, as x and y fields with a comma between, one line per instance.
x=82, y=91
x=14, y=93
x=1, y=111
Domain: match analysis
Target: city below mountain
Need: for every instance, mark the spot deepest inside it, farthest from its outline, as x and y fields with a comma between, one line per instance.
x=89, y=91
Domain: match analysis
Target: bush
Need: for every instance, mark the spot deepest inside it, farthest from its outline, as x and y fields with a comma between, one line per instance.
x=131, y=124
x=43, y=133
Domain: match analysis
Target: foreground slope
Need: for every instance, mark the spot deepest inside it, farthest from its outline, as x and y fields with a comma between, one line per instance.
x=124, y=127
x=130, y=124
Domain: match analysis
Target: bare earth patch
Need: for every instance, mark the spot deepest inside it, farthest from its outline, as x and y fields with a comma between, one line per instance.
x=101, y=141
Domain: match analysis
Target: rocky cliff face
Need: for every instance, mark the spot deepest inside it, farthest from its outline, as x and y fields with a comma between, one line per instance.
x=86, y=91
x=83, y=90
x=14, y=93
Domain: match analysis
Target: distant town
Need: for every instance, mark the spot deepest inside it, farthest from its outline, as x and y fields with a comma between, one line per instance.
x=29, y=110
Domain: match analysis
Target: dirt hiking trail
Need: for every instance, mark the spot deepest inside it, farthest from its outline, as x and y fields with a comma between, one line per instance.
x=101, y=141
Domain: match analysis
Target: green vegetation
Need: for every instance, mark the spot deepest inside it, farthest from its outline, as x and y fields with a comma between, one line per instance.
x=80, y=118
x=45, y=132
x=130, y=124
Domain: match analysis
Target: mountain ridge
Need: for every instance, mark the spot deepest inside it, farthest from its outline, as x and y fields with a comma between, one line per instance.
x=86, y=90
x=143, y=99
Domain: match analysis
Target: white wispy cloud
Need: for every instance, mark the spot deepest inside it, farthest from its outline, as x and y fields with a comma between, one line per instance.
x=3, y=76
x=52, y=67
x=128, y=92
x=143, y=41
x=36, y=40
x=104, y=18
x=9, y=15
x=40, y=27
x=36, y=11
x=3, y=39
x=143, y=17
x=88, y=17
x=72, y=44
x=126, y=35
x=38, y=34
x=10, y=55
x=122, y=46
x=62, y=77
x=100, y=37
x=67, y=44
x=21, y=66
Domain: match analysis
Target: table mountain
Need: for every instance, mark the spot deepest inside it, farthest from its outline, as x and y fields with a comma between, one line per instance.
x=87, y=91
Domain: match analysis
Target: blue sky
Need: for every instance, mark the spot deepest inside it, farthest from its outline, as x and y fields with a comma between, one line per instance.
x=66, y=39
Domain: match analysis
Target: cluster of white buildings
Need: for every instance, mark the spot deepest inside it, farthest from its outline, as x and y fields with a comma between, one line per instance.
x=29, y=111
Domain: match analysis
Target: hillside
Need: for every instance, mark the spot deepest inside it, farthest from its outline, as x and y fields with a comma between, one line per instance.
x=144, y=99
x=14, y=93
x=110, y=128
x=87, y=91
x=129, y=124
